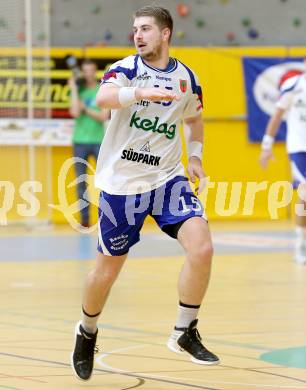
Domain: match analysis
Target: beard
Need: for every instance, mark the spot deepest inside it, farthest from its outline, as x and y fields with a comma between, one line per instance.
x=153, y=55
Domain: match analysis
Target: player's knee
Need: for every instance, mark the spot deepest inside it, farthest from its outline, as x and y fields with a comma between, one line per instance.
x=202, y=253
x=206, y=251
x=104, y=278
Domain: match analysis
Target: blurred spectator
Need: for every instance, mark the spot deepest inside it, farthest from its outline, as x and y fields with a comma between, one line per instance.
x=88, y=128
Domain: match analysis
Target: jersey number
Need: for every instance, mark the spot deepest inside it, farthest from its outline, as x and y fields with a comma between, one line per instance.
x=165, y=104
x=196, y=206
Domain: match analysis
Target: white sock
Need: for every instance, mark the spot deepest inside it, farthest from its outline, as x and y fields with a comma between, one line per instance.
x=186, y=314
x=89, y=322
x=300, y=236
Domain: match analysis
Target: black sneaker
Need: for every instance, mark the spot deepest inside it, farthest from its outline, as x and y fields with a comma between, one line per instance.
x=189, y=340
x=82, y=358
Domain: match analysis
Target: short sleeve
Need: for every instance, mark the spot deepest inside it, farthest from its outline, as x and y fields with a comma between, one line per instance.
x=284, y=101
x=287, y=93
x=115, y=77
x=122, y=72
x=194, y=104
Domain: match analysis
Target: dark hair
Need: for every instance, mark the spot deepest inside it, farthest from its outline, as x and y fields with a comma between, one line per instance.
x=161, y=15
x=88, y=61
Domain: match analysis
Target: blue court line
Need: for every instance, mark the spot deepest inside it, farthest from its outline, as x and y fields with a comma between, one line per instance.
x=83, y=247
x=46, y=248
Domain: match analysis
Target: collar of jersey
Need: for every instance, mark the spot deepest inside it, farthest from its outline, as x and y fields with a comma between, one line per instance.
x=172, y=65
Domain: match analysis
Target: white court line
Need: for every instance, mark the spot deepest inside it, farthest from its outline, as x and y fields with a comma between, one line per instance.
x=104, y=355
x=245, y=240
x=175, y=378
x=248, y=240
x=21, y=285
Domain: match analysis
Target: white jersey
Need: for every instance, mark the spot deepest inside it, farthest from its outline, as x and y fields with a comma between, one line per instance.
x=141, y=149
x=293, y=100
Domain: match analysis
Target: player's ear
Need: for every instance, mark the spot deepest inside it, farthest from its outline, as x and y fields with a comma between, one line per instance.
x=166, y=34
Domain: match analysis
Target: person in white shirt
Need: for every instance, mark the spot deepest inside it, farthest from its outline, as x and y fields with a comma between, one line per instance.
x=140, y=173
x=292, y=101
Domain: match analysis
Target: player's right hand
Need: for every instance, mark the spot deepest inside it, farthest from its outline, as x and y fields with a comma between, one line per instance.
x=265, y=157
x=156, y=94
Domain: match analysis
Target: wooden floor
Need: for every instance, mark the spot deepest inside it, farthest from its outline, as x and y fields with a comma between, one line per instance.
x=254, y=315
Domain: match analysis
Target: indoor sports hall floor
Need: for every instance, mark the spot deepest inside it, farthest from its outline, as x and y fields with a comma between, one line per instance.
x=254, y=316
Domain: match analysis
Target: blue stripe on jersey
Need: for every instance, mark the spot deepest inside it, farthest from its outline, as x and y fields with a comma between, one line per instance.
x=128, y=72
x=172, y=65
x=290, y=88
x=195, y=88
x=199, y=93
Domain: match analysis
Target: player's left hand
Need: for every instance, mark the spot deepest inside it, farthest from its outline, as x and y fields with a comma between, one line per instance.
x=265, y=157
x=195, y=170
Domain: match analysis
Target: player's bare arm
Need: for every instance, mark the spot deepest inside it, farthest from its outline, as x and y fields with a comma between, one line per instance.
x=102, y=115
x=76, y=105
x=194, y=138
x=272, y=128
x=108, y=95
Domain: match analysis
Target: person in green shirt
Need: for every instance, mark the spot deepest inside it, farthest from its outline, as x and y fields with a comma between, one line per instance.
x=88, y=128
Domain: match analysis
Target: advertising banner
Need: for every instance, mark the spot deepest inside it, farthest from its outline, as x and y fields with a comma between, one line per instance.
x=264, y=78
x=51, y=123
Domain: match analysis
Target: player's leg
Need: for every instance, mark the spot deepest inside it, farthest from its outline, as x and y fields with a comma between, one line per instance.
x=181, y=218
x=194, y=237
x=300, y=246
x=117, y=234
x=81, y=152
x=97, y=287
x=298, y=166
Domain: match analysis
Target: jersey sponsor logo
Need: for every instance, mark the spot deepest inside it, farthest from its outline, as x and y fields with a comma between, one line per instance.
x=163, y=78
x=143, y=158
x=146, y=147
x=144, y=76
x=183, y=85
x=119, y=242
x=153, y=125
x=144, y=103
